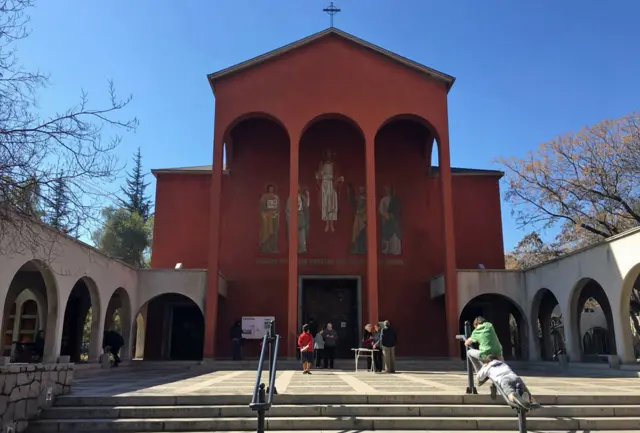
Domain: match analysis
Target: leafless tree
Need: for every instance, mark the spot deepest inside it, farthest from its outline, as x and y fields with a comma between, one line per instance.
x=588, y=183
x=36, y=151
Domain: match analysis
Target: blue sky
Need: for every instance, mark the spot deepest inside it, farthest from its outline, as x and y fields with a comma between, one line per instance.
x=526, y=70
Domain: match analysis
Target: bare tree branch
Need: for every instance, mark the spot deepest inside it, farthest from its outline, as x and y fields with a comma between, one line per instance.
x=74, y=147
x=587, y=182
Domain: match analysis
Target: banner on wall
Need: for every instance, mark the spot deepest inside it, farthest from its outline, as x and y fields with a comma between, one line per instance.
x=254, y=328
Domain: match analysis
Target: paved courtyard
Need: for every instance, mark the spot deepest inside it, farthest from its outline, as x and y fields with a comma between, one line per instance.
x=196, y=381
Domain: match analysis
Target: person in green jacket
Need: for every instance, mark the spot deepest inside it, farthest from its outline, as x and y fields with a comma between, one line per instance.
x=484, y=335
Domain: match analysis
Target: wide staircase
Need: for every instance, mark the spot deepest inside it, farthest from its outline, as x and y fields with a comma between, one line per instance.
x=335, y=413
x=339, y=412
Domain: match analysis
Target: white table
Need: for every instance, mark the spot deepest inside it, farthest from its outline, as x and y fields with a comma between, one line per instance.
x=367, y=354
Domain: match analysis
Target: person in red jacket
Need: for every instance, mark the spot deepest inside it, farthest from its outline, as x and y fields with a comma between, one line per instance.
x=305, y=343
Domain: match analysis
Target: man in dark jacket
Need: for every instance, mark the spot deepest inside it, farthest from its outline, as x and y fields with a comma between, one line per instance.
x=236, y=340
x=389, y=340
x=114, y=342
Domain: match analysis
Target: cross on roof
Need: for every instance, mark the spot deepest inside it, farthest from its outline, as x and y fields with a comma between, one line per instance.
x=331, y=10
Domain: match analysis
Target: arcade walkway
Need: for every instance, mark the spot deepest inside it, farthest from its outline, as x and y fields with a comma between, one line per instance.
x=183, y=381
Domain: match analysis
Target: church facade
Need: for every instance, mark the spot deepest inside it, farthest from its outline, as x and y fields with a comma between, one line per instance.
x=322, y=203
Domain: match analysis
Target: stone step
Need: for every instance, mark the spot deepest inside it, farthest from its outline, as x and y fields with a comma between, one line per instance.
x=326, y=399
x=399, y=431
x=226, y=411
x=330, y=423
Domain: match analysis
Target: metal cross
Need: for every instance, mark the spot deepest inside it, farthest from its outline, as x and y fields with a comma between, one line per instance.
x=331, y=10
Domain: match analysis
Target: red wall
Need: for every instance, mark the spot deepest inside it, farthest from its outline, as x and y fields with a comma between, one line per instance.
x=260, y=157
x=329, y=76
x=181, y=222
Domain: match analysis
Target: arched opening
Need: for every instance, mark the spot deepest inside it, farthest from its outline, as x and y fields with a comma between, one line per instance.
x=81, y=326
x=254, y=200
x=590, y=308
x=29, y=315
x=332, y=222
x=507, y=318
x=118, y=318
x=595, y=341
x=169, y=327
x=548, y=325
x=630, y=306
x=634, y=317
x=407, y=195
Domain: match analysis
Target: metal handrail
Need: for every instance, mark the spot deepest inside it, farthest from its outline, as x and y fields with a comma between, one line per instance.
x=471, y=388
x=262, y=399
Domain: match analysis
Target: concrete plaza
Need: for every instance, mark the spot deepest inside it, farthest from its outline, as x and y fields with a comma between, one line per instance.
x=435, y=378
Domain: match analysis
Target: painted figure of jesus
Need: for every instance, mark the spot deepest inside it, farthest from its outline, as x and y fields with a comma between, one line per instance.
x=328, y=191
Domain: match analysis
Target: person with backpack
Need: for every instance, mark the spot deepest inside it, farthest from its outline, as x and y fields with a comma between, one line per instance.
x=114, y=342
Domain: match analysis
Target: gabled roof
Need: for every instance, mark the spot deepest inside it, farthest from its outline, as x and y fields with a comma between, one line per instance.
x=456, y=171
x=447, y=79
x=198, y=169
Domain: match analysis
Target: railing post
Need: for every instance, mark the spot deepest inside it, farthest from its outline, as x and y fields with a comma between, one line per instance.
x=262, y=399
x=522, y=421
x=272, y=355
x=471, y=388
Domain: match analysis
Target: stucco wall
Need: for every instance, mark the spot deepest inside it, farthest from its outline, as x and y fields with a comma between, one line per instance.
x=614, y=264
x=191, y=283
x=63, y=261
x=259, y=281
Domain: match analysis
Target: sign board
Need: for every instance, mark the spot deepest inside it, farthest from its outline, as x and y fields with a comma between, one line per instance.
x=254, y=328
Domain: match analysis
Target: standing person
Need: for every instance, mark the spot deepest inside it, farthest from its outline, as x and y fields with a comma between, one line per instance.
x=484, y=335
x=377, y=354
x=330, y=344
x=388, y=340
x=114, y=341
x=367, y=343
x=236, y=340
x=318, y=347
x=305, y=343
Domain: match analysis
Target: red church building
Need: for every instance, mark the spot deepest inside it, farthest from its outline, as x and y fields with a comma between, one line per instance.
x=325, y=205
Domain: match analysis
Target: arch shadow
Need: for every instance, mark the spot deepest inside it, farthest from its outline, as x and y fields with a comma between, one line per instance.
x=36, y=273
x=332, y=116
x=168, y=326
x=595, y=341
x=414, y=118
x=498, y=309
x=229, y=150
x=548, y=329
x=262, y=115
x=120, y=301
x=584, y=289
x=77, y=307
x=630, y=281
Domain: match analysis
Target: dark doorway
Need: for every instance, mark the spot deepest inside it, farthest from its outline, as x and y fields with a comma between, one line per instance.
x=173, y=329
x=77, y=324
x=187, y=329
x=333, y=300
x=506, y=318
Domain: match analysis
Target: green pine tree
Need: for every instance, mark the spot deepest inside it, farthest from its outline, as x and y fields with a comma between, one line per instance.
x=59, y=209
x=136, y=200
x=125, y=236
